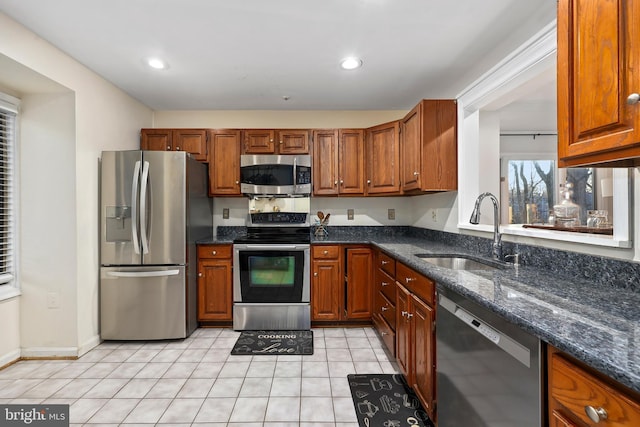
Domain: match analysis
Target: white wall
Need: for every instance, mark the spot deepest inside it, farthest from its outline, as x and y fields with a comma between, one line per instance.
x=103, y=118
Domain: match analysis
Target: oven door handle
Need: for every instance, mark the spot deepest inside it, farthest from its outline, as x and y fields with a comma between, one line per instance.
x=275, y=247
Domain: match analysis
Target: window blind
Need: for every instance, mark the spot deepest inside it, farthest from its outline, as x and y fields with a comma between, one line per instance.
x=7, y=136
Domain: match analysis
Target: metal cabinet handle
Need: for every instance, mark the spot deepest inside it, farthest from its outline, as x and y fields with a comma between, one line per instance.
x=633, y=99
x=383, y=262
x=237, y=182
x=168, y=147
x=280, y=142
x=384, y=308
x=325, y=252
x=416, y=174
x=214, y=252
x=384, y=284
x=177, y=148
x=409, y=316
x=409, y=279
x=335, y=183
x=199, y=274
x=383, y=333
x=369, y=181
x=341, y=181
x=315, y=274
x=595, y=415
x=403, y=313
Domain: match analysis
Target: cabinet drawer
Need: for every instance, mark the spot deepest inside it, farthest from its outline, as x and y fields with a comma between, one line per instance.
x=386, y=333
x=385, y=308
x=325, y=252
x=576, y=390
x=415, y=282
x=386, y=284
x=214, y=251
x=386, y=263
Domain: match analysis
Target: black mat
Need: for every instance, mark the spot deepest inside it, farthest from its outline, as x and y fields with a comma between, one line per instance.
x=384, y=400
x=272, y=343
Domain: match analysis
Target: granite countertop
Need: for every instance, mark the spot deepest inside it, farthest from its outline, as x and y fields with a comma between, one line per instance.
x=595, y=323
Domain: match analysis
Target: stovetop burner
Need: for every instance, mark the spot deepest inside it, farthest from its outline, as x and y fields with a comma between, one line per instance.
x=276, y=235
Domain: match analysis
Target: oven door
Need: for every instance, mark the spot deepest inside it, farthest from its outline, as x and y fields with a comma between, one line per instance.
x=271, y=273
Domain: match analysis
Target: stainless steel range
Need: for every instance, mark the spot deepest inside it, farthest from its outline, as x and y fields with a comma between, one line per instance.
x=271, y=275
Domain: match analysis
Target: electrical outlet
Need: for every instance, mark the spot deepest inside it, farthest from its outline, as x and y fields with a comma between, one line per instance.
x=391, y=213
x=350, y=214
x=434, y=215
x=225, y=213
x=53, y=300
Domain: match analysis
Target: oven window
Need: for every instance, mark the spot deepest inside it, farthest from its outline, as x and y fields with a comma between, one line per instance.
x=271, y=276
x=272, y=271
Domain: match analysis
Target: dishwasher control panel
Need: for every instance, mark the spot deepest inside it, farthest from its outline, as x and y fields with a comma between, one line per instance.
x=481, y=327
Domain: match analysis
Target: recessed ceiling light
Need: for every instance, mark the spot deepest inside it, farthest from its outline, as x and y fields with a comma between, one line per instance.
x=157, y=64
x=351, y=63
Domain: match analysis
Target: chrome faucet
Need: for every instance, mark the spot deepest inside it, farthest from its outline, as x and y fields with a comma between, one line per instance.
x=475, y=219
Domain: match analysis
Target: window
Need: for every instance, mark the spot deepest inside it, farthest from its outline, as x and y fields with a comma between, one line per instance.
x=8, y=113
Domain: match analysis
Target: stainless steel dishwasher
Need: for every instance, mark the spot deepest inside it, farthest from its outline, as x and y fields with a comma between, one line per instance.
x=488, y=370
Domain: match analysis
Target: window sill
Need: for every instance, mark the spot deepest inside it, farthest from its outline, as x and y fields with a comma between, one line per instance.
x=563, y=236
x=7, y=292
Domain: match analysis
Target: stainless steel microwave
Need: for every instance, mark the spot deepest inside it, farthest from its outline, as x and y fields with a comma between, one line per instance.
x=275, y=174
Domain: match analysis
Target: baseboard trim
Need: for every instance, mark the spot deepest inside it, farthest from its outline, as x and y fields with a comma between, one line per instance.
x=9, y=358
x=89, y=345
x=49, y=352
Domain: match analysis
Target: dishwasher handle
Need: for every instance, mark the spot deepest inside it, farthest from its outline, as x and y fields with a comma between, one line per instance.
x=500, y=339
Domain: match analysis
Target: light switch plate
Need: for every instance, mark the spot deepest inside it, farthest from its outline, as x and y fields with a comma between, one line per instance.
x=350, y=214
x=225, y=213
x=391, y=213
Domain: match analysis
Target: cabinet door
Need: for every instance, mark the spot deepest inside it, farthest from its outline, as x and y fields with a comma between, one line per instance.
x=598, y=69
x=214, y=289
x=411, y=149
x=156, y=139
x=423, y=364
x=403, y=331
x=326, y=290
x=383, y=159
x=359, y=283
x=351, y=161
x=439, y=162
x=192, y=141
x=325, y=162
x=259, y=141
x=224, y=163
x=293, y=141
x=559, y=420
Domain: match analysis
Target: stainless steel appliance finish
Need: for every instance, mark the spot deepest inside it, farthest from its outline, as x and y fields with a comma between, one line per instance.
x=154, y=207
x=275, y=174
x=271, y=286
x=488, y=370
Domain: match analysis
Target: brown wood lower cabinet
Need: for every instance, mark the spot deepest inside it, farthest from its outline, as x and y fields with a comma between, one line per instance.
x=415, y=334
x=341, y=283
x=578, y=395
x=215, y=280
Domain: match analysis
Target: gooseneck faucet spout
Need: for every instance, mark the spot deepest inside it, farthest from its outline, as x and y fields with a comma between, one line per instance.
x=475, y=219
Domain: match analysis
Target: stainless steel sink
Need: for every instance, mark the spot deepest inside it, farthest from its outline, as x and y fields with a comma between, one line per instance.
x=458, y=262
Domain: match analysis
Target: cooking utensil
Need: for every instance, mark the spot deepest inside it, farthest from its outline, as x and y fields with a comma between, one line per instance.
x=326, y=218
x=320, y=215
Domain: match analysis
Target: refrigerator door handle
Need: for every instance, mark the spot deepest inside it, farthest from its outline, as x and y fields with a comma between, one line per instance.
x=157, y=273
x=134, y=207
x=143, y=208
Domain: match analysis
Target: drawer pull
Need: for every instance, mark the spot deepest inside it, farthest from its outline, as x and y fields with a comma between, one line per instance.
x=409, y=316
x=383, y=333
x=383, y=262
x=404, y=313
x=595, y=415
x=214, y=252
x=315, y=274
x=325, y=252
x=384, y=308
x=199, y=274
x=409, y=279
x=384, y=284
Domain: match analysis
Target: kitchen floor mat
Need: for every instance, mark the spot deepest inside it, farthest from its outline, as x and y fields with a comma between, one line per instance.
x=385, y=400
x=271, y=343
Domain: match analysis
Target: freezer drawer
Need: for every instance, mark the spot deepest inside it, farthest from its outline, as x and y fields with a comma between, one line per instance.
x=142, y=303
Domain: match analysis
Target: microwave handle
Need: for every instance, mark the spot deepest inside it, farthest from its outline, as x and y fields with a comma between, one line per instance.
x=295, y=160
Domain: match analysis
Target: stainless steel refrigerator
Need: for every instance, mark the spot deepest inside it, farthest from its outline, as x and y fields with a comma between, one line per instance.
x=154, y=207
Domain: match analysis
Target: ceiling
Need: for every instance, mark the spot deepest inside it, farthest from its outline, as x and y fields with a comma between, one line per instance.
x=251, y=54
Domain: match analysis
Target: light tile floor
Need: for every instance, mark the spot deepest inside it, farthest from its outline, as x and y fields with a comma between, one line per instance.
x=197, y=381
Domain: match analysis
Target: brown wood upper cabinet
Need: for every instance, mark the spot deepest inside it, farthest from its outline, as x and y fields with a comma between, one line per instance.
x=598, y=83
x=429, y=147
x=383, y=159
x=192, y=141
x=270, y=141
x=224, y=162
x=338, y=162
